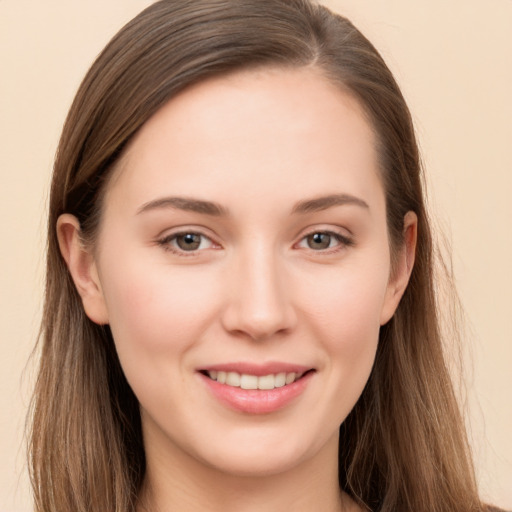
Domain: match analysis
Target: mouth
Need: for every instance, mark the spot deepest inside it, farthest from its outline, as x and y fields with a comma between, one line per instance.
x=254, y=389
x=249, y=381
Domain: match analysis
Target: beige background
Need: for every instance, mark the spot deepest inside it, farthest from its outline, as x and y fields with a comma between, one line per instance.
x=453, y=59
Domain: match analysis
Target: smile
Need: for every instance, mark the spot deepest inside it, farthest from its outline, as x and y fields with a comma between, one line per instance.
x=247, y=381
x=257, y=389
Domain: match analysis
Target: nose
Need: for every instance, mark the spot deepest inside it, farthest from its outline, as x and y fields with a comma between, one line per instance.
x=259, y=305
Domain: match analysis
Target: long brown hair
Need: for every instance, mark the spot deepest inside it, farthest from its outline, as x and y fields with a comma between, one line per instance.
x=403, y=447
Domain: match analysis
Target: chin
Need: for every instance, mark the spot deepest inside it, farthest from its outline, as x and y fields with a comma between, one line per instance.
x=256, y=466
x=268, y=455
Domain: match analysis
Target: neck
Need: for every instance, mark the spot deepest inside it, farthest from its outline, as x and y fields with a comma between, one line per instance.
x=176, y=481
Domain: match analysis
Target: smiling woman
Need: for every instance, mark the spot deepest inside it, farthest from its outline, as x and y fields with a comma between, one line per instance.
x=206, y=309
x=240, y=310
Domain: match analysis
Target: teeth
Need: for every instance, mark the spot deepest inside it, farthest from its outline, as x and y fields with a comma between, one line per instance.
x=233, y=379
x=290, y=377
x=266, y=382
x=246, y=381
x=280, y=380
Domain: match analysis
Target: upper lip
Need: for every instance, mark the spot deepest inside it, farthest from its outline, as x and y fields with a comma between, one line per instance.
x=258, y=369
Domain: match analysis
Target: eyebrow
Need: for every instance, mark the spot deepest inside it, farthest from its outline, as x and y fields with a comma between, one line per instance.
x=325, y=202
x=217, y=210
x=186, y=204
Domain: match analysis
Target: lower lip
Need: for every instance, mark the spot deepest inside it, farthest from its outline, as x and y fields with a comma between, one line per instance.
x=255, y=401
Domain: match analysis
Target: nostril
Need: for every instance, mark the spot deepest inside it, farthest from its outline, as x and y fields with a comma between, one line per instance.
x=259, y=322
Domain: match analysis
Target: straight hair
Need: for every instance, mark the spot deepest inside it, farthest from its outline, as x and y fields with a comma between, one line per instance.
x=403, y=447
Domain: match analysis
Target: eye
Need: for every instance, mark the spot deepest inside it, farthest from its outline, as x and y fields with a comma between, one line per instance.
x=324, y=240
x=188, y=241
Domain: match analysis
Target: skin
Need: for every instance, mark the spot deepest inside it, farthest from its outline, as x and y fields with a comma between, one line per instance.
x=256, y=289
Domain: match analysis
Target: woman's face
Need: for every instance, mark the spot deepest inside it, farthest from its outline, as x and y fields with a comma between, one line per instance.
x=244, y=239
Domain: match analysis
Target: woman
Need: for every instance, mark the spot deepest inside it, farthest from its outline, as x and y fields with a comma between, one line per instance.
x=240, y=262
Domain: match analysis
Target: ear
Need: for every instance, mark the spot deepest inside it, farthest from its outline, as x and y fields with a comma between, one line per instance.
x=403, y=267
x=82, y=268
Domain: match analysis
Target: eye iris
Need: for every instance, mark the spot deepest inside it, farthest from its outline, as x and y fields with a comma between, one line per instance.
x=188, y=241
x=319, y=241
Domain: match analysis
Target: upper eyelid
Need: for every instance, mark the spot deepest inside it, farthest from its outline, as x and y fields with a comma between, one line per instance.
x=183, y=230
x=334, y=230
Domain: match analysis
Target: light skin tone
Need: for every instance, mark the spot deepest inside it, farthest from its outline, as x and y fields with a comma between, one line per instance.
x=291, y=264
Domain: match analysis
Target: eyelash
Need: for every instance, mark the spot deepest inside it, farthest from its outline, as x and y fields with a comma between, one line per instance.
x=343, y=242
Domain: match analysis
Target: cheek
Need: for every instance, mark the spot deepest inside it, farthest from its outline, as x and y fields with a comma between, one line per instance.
x=353, y=332
x=155, y=308
x=158, y=315
x=347, y=301
x=344, y=314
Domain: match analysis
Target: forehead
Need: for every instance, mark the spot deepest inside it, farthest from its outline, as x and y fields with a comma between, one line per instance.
x=287, y=129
